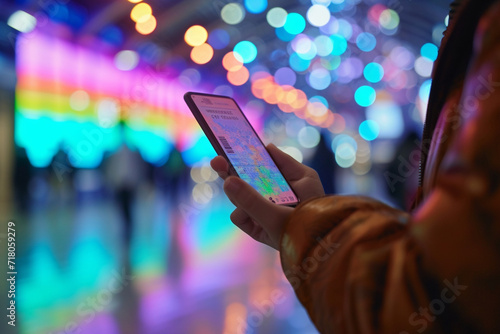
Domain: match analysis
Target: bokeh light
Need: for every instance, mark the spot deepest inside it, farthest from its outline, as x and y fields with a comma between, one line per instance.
x=255, y=6
x=375, y=12
x=79, y=100
x=316, y=107
x=219, y=39
x=22, y=21
x=320, y=99
x=345, y=155
x=337, y=5
x=369, y=130
x=230, y=62
x=320, y=79
x=402, y=57
x=309, y=137
x=141, y=12
x=429, y=51
x=318, y=15
x=282, y=34
x=238, y=77
x=389, y=19
x=388, y=116
x=196, y=35
x=285, y=76
x=304, y=47
x=365, y=96
x=202, y=54
x=373, y=72
x=298, y=63
x=366, y=41
x=425, y=90
x=339, y=45
x=126, y=60
x=324, y=45
x=108, y=111
x=294, y=24
x=343, y=139
x=423, y=98
x=423, y=67
x=232, y=13
x=146, y=27
x=276, y=17
x=350, y=69
x=293, y=152
x=321, y=2
x=245, y=51
x=345, y=28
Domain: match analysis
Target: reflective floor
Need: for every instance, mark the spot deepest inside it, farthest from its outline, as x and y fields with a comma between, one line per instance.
x=185, y=268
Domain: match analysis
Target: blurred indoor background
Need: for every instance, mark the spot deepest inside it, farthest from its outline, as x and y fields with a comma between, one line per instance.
x=121, y=225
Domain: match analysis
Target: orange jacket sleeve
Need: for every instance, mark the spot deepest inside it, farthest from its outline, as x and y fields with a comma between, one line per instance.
x=359, y=266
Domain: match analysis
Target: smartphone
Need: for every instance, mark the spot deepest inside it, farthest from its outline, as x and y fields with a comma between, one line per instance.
x=232, y=136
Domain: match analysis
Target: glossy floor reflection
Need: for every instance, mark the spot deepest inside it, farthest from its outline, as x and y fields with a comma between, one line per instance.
x=187, y=269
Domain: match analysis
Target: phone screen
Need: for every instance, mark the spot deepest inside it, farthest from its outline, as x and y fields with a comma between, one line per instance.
x=243, y=148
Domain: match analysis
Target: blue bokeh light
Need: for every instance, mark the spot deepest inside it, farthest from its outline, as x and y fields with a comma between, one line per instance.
x=429, y=51
x=112, y=34
x=245, y=51
x=255, y=6
x=219, y=39
x=284, y=35
x=339, y=45
x=425, y=90
x=295, y=23
x=345, y=28
x=373, y=72
x=319, y=98
x=324, y=45
x=366, y=42
x=365, y=96
x=369, y=130
x=298, y=64
x=343, y=139
x=285, y=76
x=389, y=117
x=320, y=79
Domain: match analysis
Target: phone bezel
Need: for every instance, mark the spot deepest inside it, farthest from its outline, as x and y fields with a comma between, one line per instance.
x=215, y=143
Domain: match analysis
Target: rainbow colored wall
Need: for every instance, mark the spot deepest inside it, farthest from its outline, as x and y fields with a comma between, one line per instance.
x=73, y=98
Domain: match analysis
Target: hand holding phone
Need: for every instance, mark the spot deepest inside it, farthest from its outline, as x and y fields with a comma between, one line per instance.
x=233, y=137
x=256, y=216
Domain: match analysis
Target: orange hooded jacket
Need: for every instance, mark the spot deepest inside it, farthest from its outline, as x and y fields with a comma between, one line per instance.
x=360, y=266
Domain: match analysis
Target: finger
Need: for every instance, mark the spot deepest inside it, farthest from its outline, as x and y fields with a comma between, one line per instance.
x=303, y=179
x=254, y=204
x=220, y=165
x=243, y=221
x=292, y=169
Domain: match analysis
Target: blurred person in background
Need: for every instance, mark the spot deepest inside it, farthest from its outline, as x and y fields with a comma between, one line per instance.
x=360, y=266
x=23, y=173
x=125, y=170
